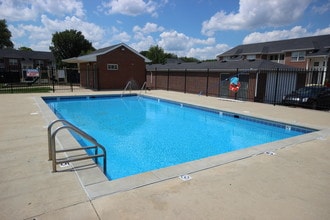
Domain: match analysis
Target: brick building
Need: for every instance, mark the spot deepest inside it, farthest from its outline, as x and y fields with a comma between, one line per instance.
x=306, y=52
x=266, y=71
x=14, y=62
x=111, y=68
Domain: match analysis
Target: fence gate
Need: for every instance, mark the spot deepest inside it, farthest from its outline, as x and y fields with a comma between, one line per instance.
x=279, y=84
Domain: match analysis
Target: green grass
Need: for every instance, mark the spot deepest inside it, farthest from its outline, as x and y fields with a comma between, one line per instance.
x=27, y=89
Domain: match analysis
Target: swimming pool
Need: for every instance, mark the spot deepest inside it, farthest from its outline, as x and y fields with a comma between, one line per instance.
x=143, y=134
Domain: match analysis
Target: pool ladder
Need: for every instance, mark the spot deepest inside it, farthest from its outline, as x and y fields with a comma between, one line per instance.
x=144, y=87
x=52, y=151
x=129, y=84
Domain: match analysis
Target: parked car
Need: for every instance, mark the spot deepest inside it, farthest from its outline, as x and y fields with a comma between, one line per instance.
x=316, y=97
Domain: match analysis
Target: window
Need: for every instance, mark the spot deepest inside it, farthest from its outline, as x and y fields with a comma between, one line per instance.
x=13, y=62
x=251, y=57
x=39, y=63
x=273, y=57
x=276, y=57
x=112, y=66
x=298, y=56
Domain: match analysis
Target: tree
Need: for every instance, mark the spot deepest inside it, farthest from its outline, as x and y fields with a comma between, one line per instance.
x=157, y=55
x=25, y=48
x=69, y=43
x=189, y=59
x=5, y=35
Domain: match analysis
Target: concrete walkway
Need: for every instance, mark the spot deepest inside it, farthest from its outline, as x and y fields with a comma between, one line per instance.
x=292, y=184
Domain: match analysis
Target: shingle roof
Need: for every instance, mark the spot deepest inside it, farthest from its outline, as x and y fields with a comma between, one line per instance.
x=91, y=57
x=19, y=54
x=318, y=45
x=219, y=65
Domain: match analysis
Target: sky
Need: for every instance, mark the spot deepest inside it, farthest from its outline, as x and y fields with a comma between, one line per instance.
x=187, y=28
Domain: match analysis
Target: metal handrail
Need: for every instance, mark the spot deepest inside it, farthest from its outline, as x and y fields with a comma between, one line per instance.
x=49, y=130
x=67, y=125
x=129, y=83
x=144, y=86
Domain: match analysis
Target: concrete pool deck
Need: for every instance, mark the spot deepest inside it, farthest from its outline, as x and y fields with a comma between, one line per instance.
x=291, y=184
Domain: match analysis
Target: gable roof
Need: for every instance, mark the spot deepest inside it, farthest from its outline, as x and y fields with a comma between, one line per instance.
x=91, y=57
x=26, y=54
x=218, y=65
x=316, y=45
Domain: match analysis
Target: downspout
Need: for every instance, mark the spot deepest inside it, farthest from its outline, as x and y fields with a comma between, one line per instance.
x=168, y=79
x=185, y=80
x=325, y=69
x=276, y=83
x=156, y=78
x=256, y=85
x=207, y=82
x=87, y=76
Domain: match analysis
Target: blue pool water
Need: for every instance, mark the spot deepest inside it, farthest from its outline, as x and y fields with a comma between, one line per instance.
x=143, y=134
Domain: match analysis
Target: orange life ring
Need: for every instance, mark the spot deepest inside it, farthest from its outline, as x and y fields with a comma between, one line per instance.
x=234, y=88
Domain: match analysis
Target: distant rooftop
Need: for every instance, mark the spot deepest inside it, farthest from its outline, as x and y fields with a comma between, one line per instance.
x=25, y=54
x=91, y=57
x=218, y=65
x=316, y=45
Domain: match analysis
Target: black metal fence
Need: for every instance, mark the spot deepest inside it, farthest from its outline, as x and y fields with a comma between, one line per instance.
x=292, y=87
x=306, y=88
x=18, y=80
x=296, y=87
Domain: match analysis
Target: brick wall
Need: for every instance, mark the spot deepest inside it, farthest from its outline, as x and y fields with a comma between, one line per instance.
x=131, y=67
x=214, y=83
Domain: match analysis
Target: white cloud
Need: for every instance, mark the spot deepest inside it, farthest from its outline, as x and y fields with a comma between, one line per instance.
x=295, y=32
x=121, y=37
x=140, y=33
x=22, y=10
x=17, y=10
x=61, y=7
x=112, y=36
x=175, y=41
x=91, y=31
x=144, y=44
x=148, y=28
x=16, y=32
x=183, y=45
x=42, y=45
x=43, y=32
x=255, y=14
x=130, y=7
x=323, y=8
x=209, y=52
x=323, y=31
